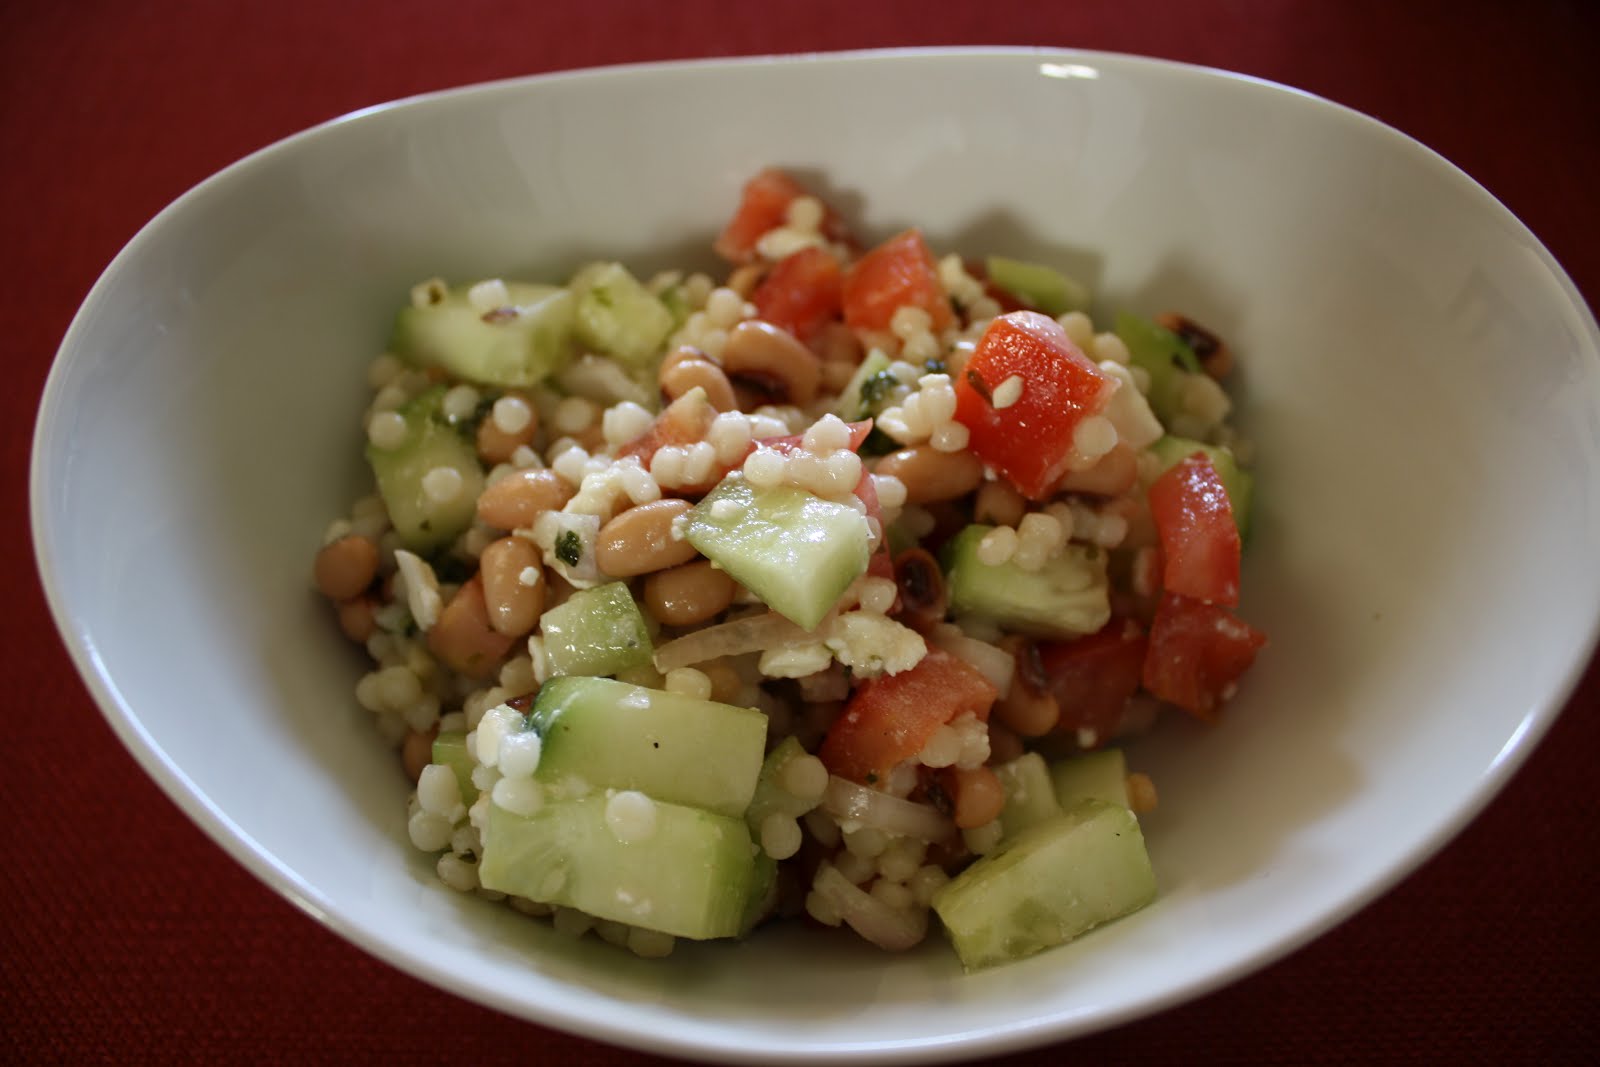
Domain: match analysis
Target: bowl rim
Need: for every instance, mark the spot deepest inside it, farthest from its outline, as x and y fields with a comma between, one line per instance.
x=591, y=1019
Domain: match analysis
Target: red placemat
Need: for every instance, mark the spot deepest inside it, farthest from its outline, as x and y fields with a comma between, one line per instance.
x=127, y=936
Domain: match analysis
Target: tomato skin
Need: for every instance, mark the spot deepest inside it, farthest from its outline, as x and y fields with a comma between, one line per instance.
x=1094, y=677
x=1197, y=653
x=1199, y=539
x=899, y=272
x=683, y=422
x=1030, y=441
x=764, y=205
x=801, y=293
x=890, y=718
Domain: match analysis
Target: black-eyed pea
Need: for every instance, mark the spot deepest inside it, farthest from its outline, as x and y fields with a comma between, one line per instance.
x=356, y=618
x=998, y=504
x=976, y=795
x=930, y=475
x=515, y=501
x=688, y=595
x=772, y=362
x=513, y=585
x=684, y=374
x=416, y=751
x=640, y=541
x=344, y=568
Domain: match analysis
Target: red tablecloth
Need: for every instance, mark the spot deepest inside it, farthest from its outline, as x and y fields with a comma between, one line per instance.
x=126, y=936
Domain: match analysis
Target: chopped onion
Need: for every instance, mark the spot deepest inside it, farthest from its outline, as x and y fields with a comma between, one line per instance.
x=844, y=799
x=995, y=664
x=888, y=928
x=603, y=381
x=754, y=633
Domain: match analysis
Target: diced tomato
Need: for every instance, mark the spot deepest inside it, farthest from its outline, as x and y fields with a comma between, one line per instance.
x=889, y=719
x=764, y=205
x=1094, y=677
x=685, y=421
x=802, y=292
x=1197, y=653
x=1030, y=440
x=898, y=273
x=1199, y=539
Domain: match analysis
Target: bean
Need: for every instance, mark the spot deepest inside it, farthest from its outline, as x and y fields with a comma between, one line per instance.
x=685, y=374
x=835, y=376
x=998, y=504
x=640, y=540
x=930, y=475
x=416, y=751
x=725, y=682
x=344, y=568
x=1113, y=474
x=1141, y=793
x=1029, y=708
x=516, y=500
x=678, y=355
x=837, y=343
x=1216, y=359
x=356, y=618
x=514, y=607
x=923, y=598
x=977, y=795
x=744, y=279
x=1004, y=744
x=463, y=637
x=688, y=595
x=772, y=361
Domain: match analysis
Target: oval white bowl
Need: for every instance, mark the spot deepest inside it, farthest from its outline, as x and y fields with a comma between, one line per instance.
x=1422, y=380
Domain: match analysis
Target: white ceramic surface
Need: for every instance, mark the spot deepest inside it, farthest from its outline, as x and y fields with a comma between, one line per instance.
x=1422, y=379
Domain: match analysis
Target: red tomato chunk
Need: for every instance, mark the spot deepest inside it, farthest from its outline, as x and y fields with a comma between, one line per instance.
x=1199, y=539
x=1094, y=677
x=802, y=293
x=890, y=719
x=898, y=273
x=1197, y=653
x=1030, y=439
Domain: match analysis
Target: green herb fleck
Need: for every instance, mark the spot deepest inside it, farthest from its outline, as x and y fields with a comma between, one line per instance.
x=878, y=443
x=936, y=365
x=569, y=548
x=875, y=389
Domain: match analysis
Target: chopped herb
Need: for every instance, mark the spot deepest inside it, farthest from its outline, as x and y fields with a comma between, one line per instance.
x=878, y=443
x=453, y=570
x=875, y=389
x=569, y=548
x=936, y=365
x=872, y=778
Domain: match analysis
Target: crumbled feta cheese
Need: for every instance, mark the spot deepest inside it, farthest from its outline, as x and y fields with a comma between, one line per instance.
x=871, y=644
x=421, y=588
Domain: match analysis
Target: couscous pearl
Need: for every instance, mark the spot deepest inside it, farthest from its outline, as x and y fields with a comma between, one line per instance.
x=804, y=777
x=844, y=470
x=428, y=832
x=949, y=437
x=780, y=836
x=437, y=790
x=667, y=465
x=650, y=944
x=488, y=296
x=460, y=402
x=724, y=307
x=878, y=595
x=891, y=490
x=867, y=842
x=442, y=484
x=400, y=687
x=895, y=896
x=764, y=468
x=573, y=415
x=1007, y=392
x=942, y=749
x=457, y=873
x=519, y=754
x=1080, y=329
x=982, y=839
x=571, y=922
x=512, y=414
x=386, y=430
x=823, y=909
x=1110, y=346
x=855, y=868
x=997, y=546
x=631, y=816
x=827, y=435
x=624, y=422
x=804, y=213
x=1094, y=436
x=925, y=883
x=908, y=320
x=520, y=796
x=689, y=682
x=729, y=435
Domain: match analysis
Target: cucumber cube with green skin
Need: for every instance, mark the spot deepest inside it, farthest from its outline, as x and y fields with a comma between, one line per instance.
x=1101, y=775
x=596, y=631
x=1236, y=481
x=676, y=748
x=1049, y=884
x=431, y=441
x=1041, y=288
x=450, y=750
x=793, y=549
x=1068, y=597
x=617, y=316
x=1030, y=796
x=1164, y=355
x=678, y=870
x=518, y=345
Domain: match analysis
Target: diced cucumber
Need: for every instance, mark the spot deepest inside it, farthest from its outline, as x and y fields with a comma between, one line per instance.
x=450, y=749
x=518, y=345
x=673, y=747
x=793, y=549
x=1047, y=885
x=770, y=798
x=431, y=442
x=1164, y=355
x=618, y=316
x=1068, y=597
x=1030, y=797
x=1100, y=775
x=596, y=631
x=865, y=393
x=691, y=874
x=1041, y=288
x=1237, y=481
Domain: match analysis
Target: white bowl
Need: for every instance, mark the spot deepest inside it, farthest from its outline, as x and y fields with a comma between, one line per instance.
x=1421, y=377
